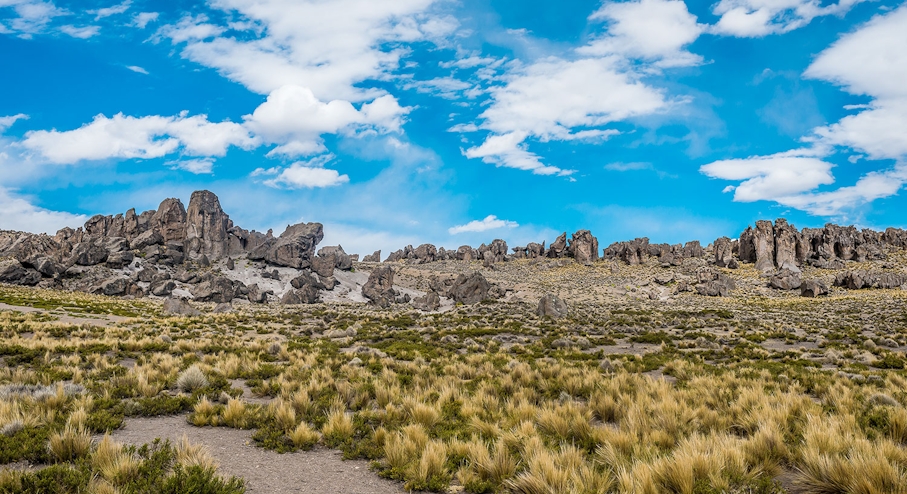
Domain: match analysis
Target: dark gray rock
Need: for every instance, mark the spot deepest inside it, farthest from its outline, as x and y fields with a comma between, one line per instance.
x=119, y=260
x=723, y=252
x=551, y=306
x=323, y=265
x=14, y=273
x=257, y=295
x=379, y=289
x=89, y=254
x=170, y=220
x=46, y=266
x=470, y=289
x=162, y=288
x=224, y=308
x=294, y=248
x=308, y=294
x=431, y=301
x=813, y=288
x=374, y=257
x=558, y=248
x=217, y=289
x=583, y=247
x=146, y=239
x=180, y=307
x=785, y=279
x=230, y=264
x=114, y=287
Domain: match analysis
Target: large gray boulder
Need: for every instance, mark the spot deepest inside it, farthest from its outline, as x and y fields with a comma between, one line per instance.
x=308, y=294
x=470, y=289
x=162, y=288
x=206, y=226
x=551, y=306
x=558, y=248
x=294, y=248
x=374, y=257
x=431, y=301
x=170, y=220
x=14, y=273
x=813, y=288
x=89, y=254
x=146, y=239
x=217, y=289
x=379, y=289
x=713, y=284
x=724, y=253
x=785, y=279
x=584, y=247
x=340, y=258
x=323, y=265
x=45, y=265
x=257, y=295
x=179, y=307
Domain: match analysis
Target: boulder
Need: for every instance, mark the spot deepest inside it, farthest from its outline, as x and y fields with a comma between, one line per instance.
x=119, y=260
x=257, y=295
x=324, y=266
x=425, y=253
x=45, y=265
x=114, y=286
x=15, y=273
x=466, y=253
x=304, y=279
x=583, y=247
x=308, y=294
x=813, y=288
x=431, y=301
x=170, y=220
x=89, y=254
x=379, y=289
x=693, y=249
x=470, y=289
x=374, y=257
x=785, y=279
x=162, y=288
x=764, y=246
x=341, y=259
x=723, y=252
x=230, y=264
x=179, y=307
x=217, y=289
x=146, y=239
x=715, y=284
x=551, y=306
x=294, y=248
x=206, y=226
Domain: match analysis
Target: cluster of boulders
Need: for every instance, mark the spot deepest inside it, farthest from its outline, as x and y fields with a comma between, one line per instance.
x=639, y=250
x=858, y=279
x=464, y=289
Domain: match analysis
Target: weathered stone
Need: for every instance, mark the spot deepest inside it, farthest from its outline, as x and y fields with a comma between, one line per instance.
x=170, y=220
x=551, y=306
x=119, y=260
x=324, y=266
x=294, y=248
x=230, y=264
x=785, y=279
x=304, y=279
x=45, y=265
x=379, y=289
x=257, y=295
x=470, y=289
x=374, y=257
x=583, y=247
x=114, y=286
x=786, y=240
x=89, y=254
x=162, y=288
x=206, y=226
x=146, y=239
x=466, y=253
x=308, y=294
x=764, y=246
x=813, y=288
x=425, y=253
x=723, y=252
x=431, y=301
x=180, y=307
x=693, y=249
x=558, y=248
x=720, y=286
x=14, y=273
x=341, y=259
x=217, y=289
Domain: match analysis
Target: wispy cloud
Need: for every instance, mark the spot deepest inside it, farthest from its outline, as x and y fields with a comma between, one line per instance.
x=491, y=222
x=136, y=68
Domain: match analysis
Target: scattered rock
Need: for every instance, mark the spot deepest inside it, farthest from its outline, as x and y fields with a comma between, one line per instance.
x=551, y=306
x=379, y=289
x=785, y=280
x=470, y=289
x=179, y=307
x=431, y=301
x=813, y=288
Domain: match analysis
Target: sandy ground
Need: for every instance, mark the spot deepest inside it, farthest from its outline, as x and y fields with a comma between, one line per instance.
x=320, y=471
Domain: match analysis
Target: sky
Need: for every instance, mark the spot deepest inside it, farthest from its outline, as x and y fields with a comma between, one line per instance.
x=454, y=122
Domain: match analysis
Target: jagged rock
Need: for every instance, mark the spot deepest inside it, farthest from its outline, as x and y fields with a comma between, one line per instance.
x=664, y=278
x=764, y=246
x=493, y=253
x=146, y=275
x=162, y=288
x=146, y=239
x=45, y=265
x=304, y=279
x=330, y=283
x=786, y=240
x=425, y=253
x=14, y=273
x=558, y=248
x=341, y=259
x=185, y=276
x=723, y=252
x=308, y=294
x=217, y=289
x=180, y=307
x=379, y=289
x=856, y=280
x=633, y=252
x=257, y=295
x=230, y=264
x=294, y=248
x=693, y=249
x=813, y=288
x=89, y=254
x=785, y=279
x=374, y=257
x=271, y=275
x=470, y=289
x=119, y=260
x=583, y=247
x=170, y=220
x=206, y=226
x=712, y=284
x=466, y=253
x=203, y=261
x=324, y=266
x=431, y=301
x=551, y=306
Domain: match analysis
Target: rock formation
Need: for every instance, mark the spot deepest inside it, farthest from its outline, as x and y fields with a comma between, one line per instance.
x=379, y=289
x=583, y=247
x=551, y=306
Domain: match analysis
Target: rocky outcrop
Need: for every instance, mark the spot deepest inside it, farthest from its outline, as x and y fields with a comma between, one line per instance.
x=431, y=301
x=714, y=284
x=558, y=248
x=856, y=280
x=206, y=226
x=217, y=289
x=531, y=251
x=724, y=255
x=14, y=273
x=170, y=220
x=374, y=257
x=294, y=248
x=470, y=289
x=551, y=306
x=379, y=289
x=336, y=254
x=583, y=247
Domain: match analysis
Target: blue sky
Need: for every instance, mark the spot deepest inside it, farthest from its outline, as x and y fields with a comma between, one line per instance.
x=457, y=122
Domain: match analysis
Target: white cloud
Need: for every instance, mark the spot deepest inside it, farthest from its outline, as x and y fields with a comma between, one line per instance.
x=306, y=175
x=200, y=166
x=327, y=47
x=83, y=32
x=31, y=16
x=654, y=30
x=192, y=29
x=128, y=137
x=7, y=122
x=142, y=19
x=510, y=150
x=864, y=62
x=295, y=119
x=626, y=167
x=490, y=222
x=445, y=87
x=136, y=68
x=756, y=18
x=114, y=10
x=17, y=213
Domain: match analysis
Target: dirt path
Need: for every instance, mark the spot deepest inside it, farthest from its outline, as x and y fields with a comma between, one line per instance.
x=66, y=318
x=316, y=471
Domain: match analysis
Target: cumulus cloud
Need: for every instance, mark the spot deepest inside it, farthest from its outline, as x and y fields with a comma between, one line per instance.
x=864, y=62
x=326, y=47
x=147, y=137
x=142, y=19
x=756, y=18
x=200, y=166
x=29, y=16
x=490, y=222
x=574, y=98
x=304, y=175
x=295, y=119
x=17, y=213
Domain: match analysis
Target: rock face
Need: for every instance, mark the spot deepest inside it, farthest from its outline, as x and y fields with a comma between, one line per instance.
x=712, y=284
x=558, y=247
x=217, y=289
x=379, y=289
x=551, y=306
x=813, y=288
x=856, y=280
x=294, y=248
x=583, y=247
x=724, y=253
x=14, y=273
x=374, y=257
x=206, y=226
x=470, y=289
